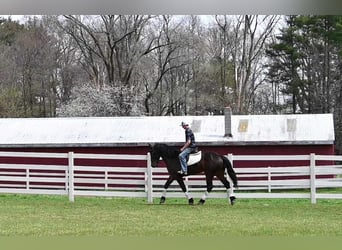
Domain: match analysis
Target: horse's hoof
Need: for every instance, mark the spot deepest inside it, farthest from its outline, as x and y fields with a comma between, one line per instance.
x=201, y=202
x=191, y=201
x=232, y=200
x=162, y=200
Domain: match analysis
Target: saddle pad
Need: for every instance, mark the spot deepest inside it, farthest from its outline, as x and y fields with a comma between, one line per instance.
x=194, y=158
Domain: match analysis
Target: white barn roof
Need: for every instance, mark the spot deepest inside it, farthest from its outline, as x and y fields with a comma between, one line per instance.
x=130, y=131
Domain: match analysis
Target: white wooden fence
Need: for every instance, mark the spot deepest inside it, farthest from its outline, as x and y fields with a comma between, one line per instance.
x=72, y=179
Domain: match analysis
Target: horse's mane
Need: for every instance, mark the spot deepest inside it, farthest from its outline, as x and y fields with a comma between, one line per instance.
x=169, y=151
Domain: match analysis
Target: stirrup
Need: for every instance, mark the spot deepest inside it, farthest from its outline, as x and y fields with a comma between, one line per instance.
x=182, y=172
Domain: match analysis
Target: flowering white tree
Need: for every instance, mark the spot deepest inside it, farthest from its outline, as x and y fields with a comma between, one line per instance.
x=86, y=100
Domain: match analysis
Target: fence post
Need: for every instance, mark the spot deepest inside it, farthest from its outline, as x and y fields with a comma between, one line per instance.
x=149, y=179
x=71, y=176
x=312, y=178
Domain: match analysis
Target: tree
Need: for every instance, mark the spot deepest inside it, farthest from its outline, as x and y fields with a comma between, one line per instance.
x=165, y=85
x=283, y=68
x=219, y=70
x=87, y=100
x=27, y=63
x=9, y=30
x=34, y=59
x=111, y=45
x=67, y=71
x=305, y=60
x=247, y=54
x=10, y=94
x=238, y=46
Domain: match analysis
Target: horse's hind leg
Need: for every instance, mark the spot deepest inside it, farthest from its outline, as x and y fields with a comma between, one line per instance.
x=187, y=194
x=166, y=186
x=230, y=190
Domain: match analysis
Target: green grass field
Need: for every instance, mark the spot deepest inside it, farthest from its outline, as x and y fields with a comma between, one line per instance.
x=39, y=215
x=51, y=222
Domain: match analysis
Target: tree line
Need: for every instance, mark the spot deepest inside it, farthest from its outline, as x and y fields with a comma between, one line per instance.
x=121, y=65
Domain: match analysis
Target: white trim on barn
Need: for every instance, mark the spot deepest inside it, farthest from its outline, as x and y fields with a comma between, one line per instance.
x=130, y=131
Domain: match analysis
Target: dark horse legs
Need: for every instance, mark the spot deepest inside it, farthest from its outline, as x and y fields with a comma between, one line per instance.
x=166, y=186
x=230, y=191
x=222, y=178
x=183, y=187
x=181, y=184
x=209, y=180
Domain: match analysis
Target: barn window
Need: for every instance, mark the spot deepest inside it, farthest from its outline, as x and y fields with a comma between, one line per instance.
x=243, y=125
x=291, y=125
x=196, y=126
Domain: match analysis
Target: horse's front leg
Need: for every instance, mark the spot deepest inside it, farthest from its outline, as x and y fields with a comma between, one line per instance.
x=183, y=187
x=166, y=186
x=209, y=181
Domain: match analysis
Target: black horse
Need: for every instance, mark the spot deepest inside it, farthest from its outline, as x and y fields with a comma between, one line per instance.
x=211, y=164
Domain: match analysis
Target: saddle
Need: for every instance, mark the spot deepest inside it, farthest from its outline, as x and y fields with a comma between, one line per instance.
x=194, y=158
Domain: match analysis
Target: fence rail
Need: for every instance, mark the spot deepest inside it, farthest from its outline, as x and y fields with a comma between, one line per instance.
x=72, y=178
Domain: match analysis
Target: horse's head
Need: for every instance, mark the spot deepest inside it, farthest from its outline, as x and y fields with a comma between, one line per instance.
x=155, y=155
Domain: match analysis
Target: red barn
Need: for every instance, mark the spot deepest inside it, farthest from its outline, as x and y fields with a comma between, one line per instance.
x=252, y=134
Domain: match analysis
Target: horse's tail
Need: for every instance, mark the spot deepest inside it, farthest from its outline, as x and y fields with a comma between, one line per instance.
x=230, y=170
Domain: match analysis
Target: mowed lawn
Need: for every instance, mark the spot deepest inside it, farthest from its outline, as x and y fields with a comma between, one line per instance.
x=39, y=215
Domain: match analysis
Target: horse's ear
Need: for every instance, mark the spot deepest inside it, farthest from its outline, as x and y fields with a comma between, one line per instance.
x=150, y=145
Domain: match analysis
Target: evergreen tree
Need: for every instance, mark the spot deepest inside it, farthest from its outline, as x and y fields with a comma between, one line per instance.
x=282, y=69
x=9, y=30
x=303, y=62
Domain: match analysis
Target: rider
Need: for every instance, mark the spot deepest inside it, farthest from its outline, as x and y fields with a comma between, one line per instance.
x=188, y=148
